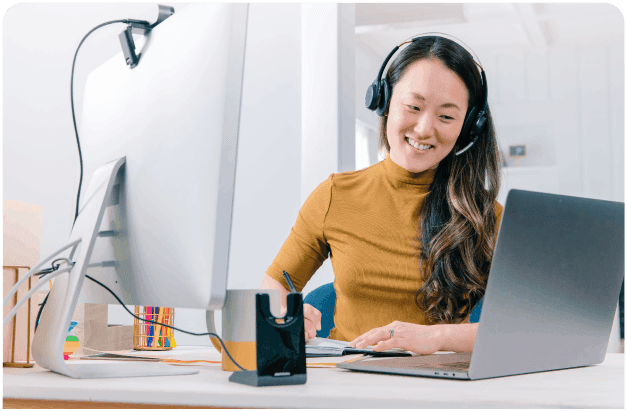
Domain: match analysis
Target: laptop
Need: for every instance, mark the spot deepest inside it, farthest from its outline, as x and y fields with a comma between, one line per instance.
x=551, y=295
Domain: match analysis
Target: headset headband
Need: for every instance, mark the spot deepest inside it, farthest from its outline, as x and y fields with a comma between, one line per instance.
x=434, y=34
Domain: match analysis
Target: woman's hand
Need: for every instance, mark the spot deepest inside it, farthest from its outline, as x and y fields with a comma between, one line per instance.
x=419, y=339
x=313, y=321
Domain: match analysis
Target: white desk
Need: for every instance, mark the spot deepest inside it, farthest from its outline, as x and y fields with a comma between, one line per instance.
x=601, y=386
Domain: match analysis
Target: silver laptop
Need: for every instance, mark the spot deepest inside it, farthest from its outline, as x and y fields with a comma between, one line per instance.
x=551, y=296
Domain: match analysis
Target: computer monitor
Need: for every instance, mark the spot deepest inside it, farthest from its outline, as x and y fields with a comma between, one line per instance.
x=159, y=144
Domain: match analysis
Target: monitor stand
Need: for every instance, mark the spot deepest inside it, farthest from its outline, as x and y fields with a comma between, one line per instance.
x=55, y=319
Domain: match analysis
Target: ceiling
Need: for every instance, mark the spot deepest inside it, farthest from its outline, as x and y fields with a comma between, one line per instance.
x=489, y=25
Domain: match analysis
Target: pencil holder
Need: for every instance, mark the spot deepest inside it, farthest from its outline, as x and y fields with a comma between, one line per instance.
x=149, y=336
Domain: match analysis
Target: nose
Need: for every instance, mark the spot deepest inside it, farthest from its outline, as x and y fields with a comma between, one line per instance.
x=424, y=125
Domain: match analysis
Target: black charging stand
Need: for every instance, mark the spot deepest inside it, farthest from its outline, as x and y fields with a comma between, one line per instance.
x=281, y=358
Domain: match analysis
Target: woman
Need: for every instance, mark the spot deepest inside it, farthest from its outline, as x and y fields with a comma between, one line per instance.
x=392, y=290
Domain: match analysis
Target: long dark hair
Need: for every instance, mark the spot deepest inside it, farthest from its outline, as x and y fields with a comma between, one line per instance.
x=457, y=232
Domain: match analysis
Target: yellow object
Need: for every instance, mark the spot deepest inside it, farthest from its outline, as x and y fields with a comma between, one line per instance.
x=367, y=222
x=243, y=352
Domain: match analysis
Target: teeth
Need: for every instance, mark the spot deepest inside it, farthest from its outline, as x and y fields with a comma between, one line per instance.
x=419, y=146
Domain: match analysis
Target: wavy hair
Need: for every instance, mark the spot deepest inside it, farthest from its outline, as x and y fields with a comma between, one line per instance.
x=457, y=233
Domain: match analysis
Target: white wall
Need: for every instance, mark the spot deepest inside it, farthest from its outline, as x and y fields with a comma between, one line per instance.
x=566, y=104
x=366, y=145
x=367, y=65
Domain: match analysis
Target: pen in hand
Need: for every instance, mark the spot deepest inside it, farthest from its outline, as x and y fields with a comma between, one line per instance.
x=291, y=285
x=289, y=281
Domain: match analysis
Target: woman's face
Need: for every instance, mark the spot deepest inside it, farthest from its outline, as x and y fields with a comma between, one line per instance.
x=426, y=115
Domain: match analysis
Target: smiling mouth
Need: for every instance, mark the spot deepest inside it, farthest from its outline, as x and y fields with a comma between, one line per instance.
x=419, y=146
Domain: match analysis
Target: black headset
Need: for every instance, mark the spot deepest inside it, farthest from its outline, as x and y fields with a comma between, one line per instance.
x=379, y=94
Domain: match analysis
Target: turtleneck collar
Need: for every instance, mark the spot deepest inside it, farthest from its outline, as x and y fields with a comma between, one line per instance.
x=398, y=173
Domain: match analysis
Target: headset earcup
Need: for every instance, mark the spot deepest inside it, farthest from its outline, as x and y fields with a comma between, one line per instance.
x=464, y=137
x=372, y=96
x=480, y=123
x=471, y=130
x=384, y=100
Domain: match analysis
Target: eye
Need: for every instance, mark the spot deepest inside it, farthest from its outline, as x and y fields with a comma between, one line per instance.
x=414, y=108
x=447, y=118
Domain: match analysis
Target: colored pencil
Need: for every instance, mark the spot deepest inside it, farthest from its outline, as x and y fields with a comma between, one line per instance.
x=158, y=341
x=145, y=325
x=164, y=330
x=149, y=316
x=171, y=331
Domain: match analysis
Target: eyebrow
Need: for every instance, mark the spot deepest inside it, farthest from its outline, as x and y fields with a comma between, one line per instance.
x=445, y=105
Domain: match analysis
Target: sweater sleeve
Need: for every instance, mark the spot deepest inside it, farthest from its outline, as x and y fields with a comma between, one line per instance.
x=306, y=247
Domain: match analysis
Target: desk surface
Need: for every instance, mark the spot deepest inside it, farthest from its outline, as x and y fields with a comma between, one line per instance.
x=601, y=386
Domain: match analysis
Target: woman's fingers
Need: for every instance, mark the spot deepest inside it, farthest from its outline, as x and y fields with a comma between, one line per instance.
x=310, y=329
x=313, y=315
x=370, y=338
x=419, y=339
x=388, y=344
x=313, y=321
x=375, y=335
x=414, y=344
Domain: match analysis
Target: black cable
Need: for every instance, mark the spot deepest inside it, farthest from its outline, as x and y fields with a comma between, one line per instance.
x=54, y=268
x=80, y=156
x=166, y=325
x=41, y=275
x=41, y=307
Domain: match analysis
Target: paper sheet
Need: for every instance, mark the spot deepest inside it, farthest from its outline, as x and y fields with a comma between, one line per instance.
x=326, y=342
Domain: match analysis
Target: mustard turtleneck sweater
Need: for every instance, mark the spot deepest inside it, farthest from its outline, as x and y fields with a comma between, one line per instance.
x=366, y=221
